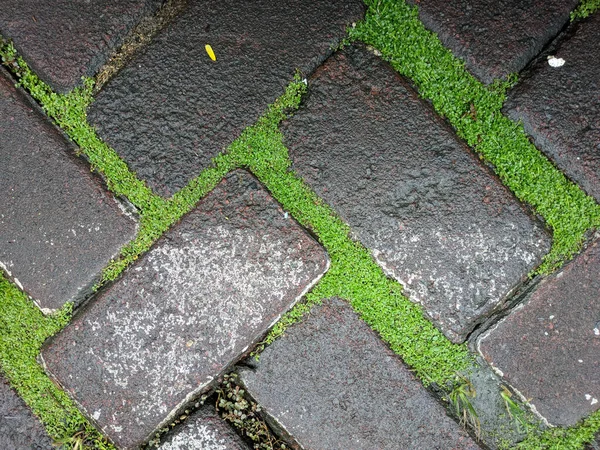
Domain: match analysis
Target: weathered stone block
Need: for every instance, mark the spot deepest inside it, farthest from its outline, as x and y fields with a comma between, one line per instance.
x=196, y=302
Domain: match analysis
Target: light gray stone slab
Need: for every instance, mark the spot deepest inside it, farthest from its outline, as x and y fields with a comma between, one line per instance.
x=200, y=298
x=204, y=430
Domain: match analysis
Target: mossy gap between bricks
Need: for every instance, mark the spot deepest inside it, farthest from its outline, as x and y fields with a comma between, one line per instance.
x=469, y=106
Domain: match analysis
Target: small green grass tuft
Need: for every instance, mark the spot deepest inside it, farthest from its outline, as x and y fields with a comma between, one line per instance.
x=585, y=9
x=474, y=110
x=459, y=397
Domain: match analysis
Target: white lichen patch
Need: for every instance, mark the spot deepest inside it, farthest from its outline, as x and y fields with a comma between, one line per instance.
x=472, y=269
x=196, y=435
x=187, y=311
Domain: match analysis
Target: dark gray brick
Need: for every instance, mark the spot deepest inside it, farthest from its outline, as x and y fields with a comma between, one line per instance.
x=432, y=215
x=19, y=428
x=58, y=227
x=173, y=109
x=64, y=40
x=331, y=383
x=549, y=349
x=204, y=430
x=199, y=299
x=495, y=37
x=560, y=106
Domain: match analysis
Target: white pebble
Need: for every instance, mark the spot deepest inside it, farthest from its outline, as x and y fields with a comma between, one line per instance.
x=555, y=62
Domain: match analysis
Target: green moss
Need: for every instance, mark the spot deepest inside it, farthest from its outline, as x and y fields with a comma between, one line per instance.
x=23, y=329
x=474, y=110
x=585, y=9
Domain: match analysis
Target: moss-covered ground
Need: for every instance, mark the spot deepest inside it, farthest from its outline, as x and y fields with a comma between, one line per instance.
x=393, y=28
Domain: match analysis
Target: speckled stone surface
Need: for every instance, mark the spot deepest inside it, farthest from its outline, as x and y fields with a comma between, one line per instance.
x=549, y=350
x=204, y=430
x=201, y=297
x=172, y=109
x=495, y=37
x=331, y=383
x=64, y=40
x=58, y=226
x=560, y=106
x=431, y=214
x=19, y=428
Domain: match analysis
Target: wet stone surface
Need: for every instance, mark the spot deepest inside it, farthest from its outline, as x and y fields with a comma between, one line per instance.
x=495, y=37
x=560, y=106
x=19, y=428
x=549, y=350
x=201, y=297
x=64, y=40
x=58, y=227
x=431, y=214
x=331, y=383
x=204, y=430
x=173, y=109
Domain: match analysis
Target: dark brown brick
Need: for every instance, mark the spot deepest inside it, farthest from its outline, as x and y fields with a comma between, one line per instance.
x=549, y=349
x=58, y=226
x=432, y=215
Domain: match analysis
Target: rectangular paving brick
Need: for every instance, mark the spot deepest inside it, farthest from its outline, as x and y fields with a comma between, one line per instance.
x=495, y=38
x=58, y=226
x=432, y=215
x=64, y=40
x=331, y=383
x=173, y=108
x=204, y=430
x=19, y=428
x=549, y=349
x=560, y=106
x=201, y=297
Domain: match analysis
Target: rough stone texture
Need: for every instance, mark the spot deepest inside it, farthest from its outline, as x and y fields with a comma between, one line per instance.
x=206, y=292
x=204, y=430
x=331, y=383
x=432, y=215
x=173, y=109
x=19, y=428
x=549, y=350
x=64, y=40
x=560, y=106
x=494, y=37
x=58, y=228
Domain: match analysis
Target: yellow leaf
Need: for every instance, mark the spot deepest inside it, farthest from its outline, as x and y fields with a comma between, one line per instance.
x=210, y=52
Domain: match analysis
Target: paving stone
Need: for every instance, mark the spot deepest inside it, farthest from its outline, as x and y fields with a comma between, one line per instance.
x=173, y=109
x=204, y=430
x=560, y=106
x=549, y=349
x=200, y=298
x=493, y=37
x=58, y=227
x=330, y=382
x=432, y=215
x=19, y=428
x=64, y=40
